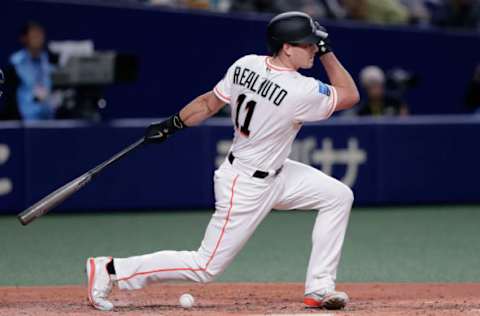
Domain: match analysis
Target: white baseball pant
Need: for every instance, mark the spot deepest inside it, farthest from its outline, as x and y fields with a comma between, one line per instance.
x=242, y=202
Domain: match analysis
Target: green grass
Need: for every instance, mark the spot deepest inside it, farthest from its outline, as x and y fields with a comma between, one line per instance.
x=424, y=244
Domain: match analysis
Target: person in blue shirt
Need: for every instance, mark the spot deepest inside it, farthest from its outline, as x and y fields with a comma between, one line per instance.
x=33, y=70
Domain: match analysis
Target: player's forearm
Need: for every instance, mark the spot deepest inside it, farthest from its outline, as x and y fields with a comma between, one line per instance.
x=198, y=110
x=337, y=74
x=341, y=80
x=192, y=114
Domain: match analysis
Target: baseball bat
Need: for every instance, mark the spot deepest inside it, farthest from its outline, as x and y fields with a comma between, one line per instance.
x=61, y=194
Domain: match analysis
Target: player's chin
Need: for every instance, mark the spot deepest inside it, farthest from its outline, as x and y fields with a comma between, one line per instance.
x=308, y=64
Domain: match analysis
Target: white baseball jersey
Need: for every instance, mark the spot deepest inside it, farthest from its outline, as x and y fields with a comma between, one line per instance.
x=268, y=104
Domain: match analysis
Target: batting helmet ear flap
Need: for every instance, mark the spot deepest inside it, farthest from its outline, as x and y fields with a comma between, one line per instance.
x=274, y=45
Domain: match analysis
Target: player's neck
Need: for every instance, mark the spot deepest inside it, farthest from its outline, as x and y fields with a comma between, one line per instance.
x=283, y=62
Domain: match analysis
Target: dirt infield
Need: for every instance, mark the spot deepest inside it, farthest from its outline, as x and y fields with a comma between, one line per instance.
x=248, y=299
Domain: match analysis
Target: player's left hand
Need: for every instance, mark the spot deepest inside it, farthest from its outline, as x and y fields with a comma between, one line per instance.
x=159, y=132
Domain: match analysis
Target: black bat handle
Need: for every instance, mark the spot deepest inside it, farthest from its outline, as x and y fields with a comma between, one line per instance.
x=119, y=155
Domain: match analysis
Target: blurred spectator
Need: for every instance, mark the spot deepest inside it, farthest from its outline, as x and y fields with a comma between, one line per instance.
x=376, y=11
x=198, y=4
x=220, y=5
x=472, y=99
x=162, y=2
x=311, y=7
x=29, y=77
x=254, y=5
x=462, y=14
x=377, y=101
x=418, y=11
x=333, y=9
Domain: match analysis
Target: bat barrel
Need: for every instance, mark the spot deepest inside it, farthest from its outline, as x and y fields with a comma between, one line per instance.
x=61, y=194
x=53, y=199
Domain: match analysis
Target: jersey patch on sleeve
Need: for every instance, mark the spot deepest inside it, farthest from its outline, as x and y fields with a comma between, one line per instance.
x=323, y=88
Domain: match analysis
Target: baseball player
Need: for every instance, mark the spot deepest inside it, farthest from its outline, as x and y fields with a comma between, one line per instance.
x=269, y=102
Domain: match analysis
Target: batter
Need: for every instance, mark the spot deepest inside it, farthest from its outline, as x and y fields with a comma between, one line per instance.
x=269, y=102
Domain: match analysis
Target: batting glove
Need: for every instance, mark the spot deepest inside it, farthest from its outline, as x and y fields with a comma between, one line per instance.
x=324, y=44
x=159, y=132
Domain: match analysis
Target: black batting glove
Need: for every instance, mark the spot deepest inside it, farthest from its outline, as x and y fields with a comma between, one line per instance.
x=159, y=132
x=324, y=44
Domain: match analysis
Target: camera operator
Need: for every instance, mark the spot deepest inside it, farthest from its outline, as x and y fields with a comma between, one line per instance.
x=378, y=100
x=29, y=76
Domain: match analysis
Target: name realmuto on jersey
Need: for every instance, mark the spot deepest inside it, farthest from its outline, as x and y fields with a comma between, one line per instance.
x=263, y=87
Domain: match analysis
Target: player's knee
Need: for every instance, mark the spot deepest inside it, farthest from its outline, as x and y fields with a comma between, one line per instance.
x=344, y=195
x=349, y=196
x=207, y=277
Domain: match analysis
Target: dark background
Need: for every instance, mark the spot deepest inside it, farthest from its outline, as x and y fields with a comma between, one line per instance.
x=185, y=53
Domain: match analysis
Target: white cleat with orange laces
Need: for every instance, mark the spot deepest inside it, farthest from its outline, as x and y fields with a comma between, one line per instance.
x=99, y=283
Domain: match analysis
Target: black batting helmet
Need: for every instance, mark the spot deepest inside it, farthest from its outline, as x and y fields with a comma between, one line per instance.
x=294, y=28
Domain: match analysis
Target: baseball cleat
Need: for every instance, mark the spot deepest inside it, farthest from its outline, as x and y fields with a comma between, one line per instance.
x=328, y=300
x=99, y=283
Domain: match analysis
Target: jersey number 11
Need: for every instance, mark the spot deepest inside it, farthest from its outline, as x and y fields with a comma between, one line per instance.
x=250, y=107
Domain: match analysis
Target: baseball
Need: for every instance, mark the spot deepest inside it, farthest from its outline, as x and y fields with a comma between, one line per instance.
x=187, y=300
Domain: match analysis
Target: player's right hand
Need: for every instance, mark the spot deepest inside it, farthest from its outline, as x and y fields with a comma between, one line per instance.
x=324, y=44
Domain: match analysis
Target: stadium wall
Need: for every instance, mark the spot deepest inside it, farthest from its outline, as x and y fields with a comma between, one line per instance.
x=410, y=161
